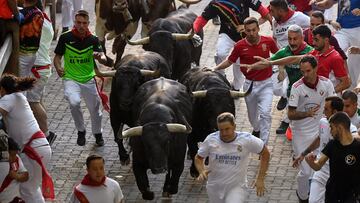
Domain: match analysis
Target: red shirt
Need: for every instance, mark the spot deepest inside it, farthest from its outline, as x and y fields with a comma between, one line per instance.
x=330, y=61
x=246, y=52
x=5, y=11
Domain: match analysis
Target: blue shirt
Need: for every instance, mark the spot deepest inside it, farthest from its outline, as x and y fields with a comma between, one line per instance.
x=345, y=17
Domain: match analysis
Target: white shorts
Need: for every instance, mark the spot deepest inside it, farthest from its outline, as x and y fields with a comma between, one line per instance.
x=35, y=94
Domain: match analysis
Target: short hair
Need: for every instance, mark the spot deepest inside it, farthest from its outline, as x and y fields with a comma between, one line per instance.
x=281, y=4
x=93, y=157
x=251, y=20
x=340, y=118
x=318, y=14
x=295, y=28
x=336, y=103
x=82, y=13
x=349, y=94
x=309, y=59
x=322, y=30
x=226, y=117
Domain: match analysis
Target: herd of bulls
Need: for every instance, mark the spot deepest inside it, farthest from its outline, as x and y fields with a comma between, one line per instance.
x=168, y=105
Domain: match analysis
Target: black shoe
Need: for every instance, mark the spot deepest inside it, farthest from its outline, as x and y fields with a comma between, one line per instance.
x=81, y=138
x=282, y=128
x=51, y=138
x=99, y=139
x=216, y=20
x=281, y=104
x=256, y=133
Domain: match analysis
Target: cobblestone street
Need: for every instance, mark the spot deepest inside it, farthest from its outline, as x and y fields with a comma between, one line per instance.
x=68, y=160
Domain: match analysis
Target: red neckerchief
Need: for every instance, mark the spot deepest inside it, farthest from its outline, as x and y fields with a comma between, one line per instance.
x=7, y=181
x=88, y=182
x=301, y=47
x=47, y=182
x=287, y=17
x=312, y=86
x=77, y=34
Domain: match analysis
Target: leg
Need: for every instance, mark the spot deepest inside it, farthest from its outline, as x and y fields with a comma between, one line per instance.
x=252, y=105
x=72, y=95
x=317, y=191
x=239, y=77
x=26, y=62
x=212, y=194
x=223, y=47
x=67, y=14
x=236, y=194
x=303, y=180
x=265, y=105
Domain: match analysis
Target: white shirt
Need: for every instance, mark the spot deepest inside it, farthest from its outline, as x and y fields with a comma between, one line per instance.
x=110, y=192
x=355, y=120
x=47, y=34
x=11, y=191
x=20, y=121
x=280, y=31
x=228, y=162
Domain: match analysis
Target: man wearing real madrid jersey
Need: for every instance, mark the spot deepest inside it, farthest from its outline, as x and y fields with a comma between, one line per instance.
x=228, y=153
x=79, y=48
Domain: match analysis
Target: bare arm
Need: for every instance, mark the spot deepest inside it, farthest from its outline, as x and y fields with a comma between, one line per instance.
x=344, y=83
x=100, y=73
x=314, y=145
x=298, y=115
x=13, y=6
x=323, y=4
x=287, y=60
x=264, y=164
x=200, y=166
x=100, y=56
x=316, y=164
x=57, y=64
x=226, y=63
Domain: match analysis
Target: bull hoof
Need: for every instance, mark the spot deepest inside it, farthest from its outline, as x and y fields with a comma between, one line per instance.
x=148, y=195
x=166, y=195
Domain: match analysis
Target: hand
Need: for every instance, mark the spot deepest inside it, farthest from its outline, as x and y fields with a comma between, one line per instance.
x=313, y=111
x=262, y=61
x=203, y=175
x=60, y=72
x=356, y=12
x=13, y=174
x=310, y=158
x=297, y=161
x=354, y=50
x=281, y=75
x=260, y=186
x=99, y=56
x=335, y=25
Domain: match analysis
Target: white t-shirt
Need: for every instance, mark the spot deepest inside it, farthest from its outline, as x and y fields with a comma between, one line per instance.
x=11, y=191
x=325, y=136
x=228, y=162
x=280, y=31
x=355, y=120
x=110, y=192
x=47, y=34
x=20, y=121
x=303, y=98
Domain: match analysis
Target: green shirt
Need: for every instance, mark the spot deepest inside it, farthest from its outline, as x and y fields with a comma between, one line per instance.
x=78, y=56
x=292, y=70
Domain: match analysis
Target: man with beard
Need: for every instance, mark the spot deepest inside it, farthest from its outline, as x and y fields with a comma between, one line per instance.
x=259, y=101
x=343, y=153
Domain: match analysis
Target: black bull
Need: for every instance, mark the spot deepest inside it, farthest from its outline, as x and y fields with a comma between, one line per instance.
x=212, y=95
x=170, y=38
x=163, y=111
x=131, y=72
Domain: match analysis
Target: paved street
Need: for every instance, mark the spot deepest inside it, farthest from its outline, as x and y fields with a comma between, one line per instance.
x=68, y=160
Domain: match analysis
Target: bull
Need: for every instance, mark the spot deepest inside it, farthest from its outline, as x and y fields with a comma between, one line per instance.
x=111, y=20
x=163, y=111
x=212, y=95
x=172, y=39
x=131, y=72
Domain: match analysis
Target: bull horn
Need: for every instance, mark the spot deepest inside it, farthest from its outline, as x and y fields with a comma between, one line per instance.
x=199, y=94
x=182, y=37
x=142, y=41
x=237, y=94
x=147, y=72
x=176, y=128
x=190, y=2
x=135, y=131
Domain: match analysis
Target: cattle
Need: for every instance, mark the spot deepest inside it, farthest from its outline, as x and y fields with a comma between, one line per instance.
x=212, y=95
x=163, y=111
x=131, y=72
x=172, y=39
x=111, y=20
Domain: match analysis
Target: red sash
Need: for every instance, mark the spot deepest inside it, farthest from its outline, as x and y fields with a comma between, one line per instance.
x=80, y=196
x=7, y=181
x=35, y=69
x=47, y=182
x=104, y=98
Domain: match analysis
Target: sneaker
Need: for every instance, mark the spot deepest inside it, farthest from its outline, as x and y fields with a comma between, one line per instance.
x=281, y=104
x=256, y=133
x=51, y=137
x=99, y=139
x=216, y=20
x=282, y=128
x=81, y=138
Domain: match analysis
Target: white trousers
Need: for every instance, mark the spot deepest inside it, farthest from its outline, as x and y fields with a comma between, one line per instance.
x=259, y=106
x=236, y=195
x=73, y=93
x=347, y=38
x=318, y=188
x=68, y=10
x=30, y=190
x=224, y=47
x=26, y=62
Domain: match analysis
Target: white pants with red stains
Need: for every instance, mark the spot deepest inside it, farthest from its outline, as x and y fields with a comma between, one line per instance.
x=224, y=47
x=259, y=104
x=73, y=92
x=30, y=190
x=68, y=10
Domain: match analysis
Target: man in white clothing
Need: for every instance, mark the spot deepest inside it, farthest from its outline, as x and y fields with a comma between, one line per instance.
x=228, y=153
x=350, y=106
x=96, y=187
x=68, y=10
